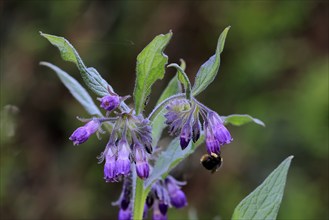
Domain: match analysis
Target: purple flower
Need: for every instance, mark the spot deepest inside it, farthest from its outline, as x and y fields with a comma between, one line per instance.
x=216, y=133
x=221, y=133
x=177, y=113
x=177, y=196
x=196, y=130
x=109, y=167
x=142, y=166
x=212, y=143
x=110, y=102
x=81, y=134
x=186, y=135
x=123, y=162
x=125, y=214
x=159, y=211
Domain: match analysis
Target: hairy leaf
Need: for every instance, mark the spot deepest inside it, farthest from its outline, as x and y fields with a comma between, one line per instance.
x=90, y=75
x=150, y=67
x=264, y=202
x=78, y=92
x=239, y=120
x=209, y=69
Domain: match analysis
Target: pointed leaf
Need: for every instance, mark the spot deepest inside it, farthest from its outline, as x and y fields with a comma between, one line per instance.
x=150, y=67
x=169, y=158
x=239, y=120
x=90, y=75
x=209, y=69
x=264, y=202
x=78, y=92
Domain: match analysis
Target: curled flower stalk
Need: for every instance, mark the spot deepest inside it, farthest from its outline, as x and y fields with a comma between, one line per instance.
x=183, y=118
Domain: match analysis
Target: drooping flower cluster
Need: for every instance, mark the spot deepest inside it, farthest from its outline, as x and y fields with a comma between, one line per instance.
x=182, y=117
x=130, y=140
x=163, y=195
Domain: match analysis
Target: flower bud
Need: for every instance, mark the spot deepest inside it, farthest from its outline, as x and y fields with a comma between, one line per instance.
x=142, y=167
x=81, y=134
x=196, y=131
x=110, y=167
x=110, y=102
x=186, y=135
x=177, y=196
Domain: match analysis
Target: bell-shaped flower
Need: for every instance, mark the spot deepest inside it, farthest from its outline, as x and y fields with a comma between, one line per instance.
x=123, y=162
x=142, y=166
x=81, y=134
x=110, y=171
x=177, y=196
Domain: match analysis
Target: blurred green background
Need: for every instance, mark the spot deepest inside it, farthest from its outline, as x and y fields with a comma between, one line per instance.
x=274, y=67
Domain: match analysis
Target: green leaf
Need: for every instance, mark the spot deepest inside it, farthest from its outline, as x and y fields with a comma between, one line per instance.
x=209, y=69
x=90, y=75
x=264, y=202
x=78, y=92
x=150, y=67
x=239, y=120
x=182, y=77
x=158, y=123
x=169, y=158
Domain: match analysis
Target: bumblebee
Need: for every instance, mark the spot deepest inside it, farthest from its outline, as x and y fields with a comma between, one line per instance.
x=211, y=162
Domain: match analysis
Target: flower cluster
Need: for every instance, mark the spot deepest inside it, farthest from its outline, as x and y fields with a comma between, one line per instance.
x=130, y=140
x=183, y=119
x=164, y=194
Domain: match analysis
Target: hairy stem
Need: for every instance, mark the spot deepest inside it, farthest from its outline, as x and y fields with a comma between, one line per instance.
x=159, y=107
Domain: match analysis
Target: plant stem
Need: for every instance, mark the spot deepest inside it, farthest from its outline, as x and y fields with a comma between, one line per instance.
x=139, y=199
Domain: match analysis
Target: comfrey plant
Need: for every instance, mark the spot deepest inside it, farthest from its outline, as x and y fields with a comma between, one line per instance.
x=133, y=154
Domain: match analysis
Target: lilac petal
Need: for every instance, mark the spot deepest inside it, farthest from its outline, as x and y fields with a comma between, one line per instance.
x=110, y=171
x=177, y=196
x=122, y=166
x=79, y=136
x=123, y=161
x=110, y=102
x=196, y=131
x=163, y=208
x=186, y=135
x=222, y=135
x=213, y=145
x=92, y=126
x=178, y=199
x=125, y=214
x=142, y=169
